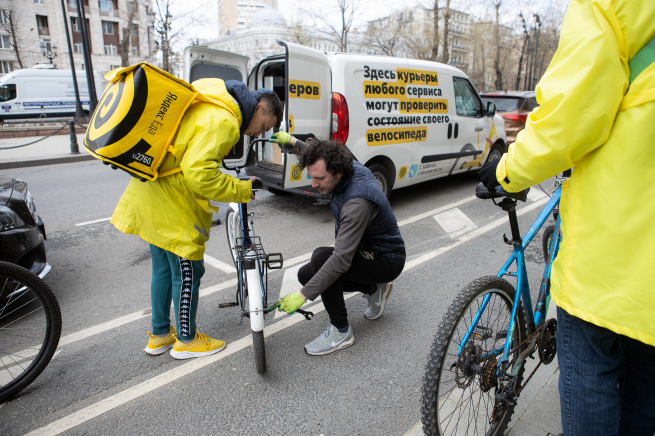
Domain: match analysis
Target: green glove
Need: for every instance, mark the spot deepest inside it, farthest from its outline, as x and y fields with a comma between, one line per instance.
x=290, y=303
x=282, y=138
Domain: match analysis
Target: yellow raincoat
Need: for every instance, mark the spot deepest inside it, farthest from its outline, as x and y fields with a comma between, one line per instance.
x=589, y=119
x=174, y=212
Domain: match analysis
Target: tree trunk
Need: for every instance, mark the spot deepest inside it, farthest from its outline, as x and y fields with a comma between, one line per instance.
x=13, y=31
x=435, y=45
x=499, y=73
x=126, y=42
x=446, y=18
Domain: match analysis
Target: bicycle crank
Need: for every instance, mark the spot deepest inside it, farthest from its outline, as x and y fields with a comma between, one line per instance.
x=548, y=342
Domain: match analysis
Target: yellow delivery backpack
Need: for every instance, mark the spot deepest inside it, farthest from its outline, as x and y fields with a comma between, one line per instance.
x=137, y=117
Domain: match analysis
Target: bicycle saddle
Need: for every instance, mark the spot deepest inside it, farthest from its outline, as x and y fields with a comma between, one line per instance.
x=257, y=184
x=482, y=193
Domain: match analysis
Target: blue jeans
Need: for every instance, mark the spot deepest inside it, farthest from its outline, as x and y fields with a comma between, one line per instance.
x=606, y=382
x=178, y=280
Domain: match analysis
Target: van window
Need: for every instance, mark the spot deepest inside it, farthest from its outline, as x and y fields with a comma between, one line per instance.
x=7, y=92
x=467, y=102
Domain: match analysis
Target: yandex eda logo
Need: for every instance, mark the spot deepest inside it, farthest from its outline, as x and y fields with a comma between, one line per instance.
x=304, y=89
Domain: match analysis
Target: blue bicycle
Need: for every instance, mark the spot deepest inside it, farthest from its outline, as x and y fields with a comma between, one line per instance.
x=474, y=374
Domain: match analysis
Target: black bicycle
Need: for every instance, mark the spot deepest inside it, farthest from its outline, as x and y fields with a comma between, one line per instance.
x=30, y=327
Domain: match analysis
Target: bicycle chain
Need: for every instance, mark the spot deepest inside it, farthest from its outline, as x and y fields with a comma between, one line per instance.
x=492, y=418
x=38, y=140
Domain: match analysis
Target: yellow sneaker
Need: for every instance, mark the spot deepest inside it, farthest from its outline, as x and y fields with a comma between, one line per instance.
x=202, y=345
x=157, y=345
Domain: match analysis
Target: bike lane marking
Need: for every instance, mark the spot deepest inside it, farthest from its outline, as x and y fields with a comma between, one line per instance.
x=230, y=269
x=86, y=223
x=88, y=413
x=455, y=222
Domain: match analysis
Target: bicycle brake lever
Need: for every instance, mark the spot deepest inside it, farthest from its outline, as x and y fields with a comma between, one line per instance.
x=307, y=314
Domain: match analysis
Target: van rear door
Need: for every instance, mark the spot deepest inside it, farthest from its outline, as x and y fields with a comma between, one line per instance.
x=309, y=104
x=202, y=63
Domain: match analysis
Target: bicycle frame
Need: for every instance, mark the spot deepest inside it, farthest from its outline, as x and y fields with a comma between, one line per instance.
x=533, y=319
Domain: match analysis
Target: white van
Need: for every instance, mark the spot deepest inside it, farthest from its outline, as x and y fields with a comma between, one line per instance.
x=407, y=120
x=38, y=93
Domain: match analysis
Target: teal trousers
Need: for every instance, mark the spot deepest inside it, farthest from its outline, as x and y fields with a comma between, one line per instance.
x=178, y=280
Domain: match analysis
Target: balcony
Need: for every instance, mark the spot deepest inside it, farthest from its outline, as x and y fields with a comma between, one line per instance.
x=108, y=12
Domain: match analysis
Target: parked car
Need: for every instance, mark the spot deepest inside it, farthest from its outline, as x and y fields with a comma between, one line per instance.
x=22, y=232
x=514, y=106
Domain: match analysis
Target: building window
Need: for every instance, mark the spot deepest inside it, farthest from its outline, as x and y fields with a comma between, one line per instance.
x=106, y=5
x=108, y=27
x=42, y=24
x=4, y=42
x=113, y=67
x=134, y=51
x=6, y=67
x=77, y=48
x=75, y=24
x=41, y=2
x=5, y=16
x=110, y=50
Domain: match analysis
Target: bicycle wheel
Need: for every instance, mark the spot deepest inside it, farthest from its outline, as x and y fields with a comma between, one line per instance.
x=30, y=326
x=260, y=351
x=233, y=230
x=545, y=240
x=459, y=390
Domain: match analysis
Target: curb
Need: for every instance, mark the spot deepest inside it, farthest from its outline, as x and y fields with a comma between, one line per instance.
x=48, y=161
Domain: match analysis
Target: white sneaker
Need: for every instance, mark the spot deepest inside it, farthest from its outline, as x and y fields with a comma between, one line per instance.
x=378, y=300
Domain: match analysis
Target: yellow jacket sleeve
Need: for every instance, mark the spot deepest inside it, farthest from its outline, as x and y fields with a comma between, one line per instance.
x=580, y=94
x=208, y=145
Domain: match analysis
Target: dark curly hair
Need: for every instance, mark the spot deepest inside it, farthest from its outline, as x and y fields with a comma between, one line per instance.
x=338, y=159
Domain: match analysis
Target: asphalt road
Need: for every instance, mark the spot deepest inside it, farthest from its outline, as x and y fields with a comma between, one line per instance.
x=102, y=382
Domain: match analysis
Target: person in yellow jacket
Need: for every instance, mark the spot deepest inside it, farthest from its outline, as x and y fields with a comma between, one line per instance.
x=597, y=114
x=173, y=213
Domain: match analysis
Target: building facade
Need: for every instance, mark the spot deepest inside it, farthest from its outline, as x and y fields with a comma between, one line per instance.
x=37, y=26
x=234, y=15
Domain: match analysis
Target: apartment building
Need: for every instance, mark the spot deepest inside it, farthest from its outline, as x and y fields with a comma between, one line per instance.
x=37, y=26
x=235, y=15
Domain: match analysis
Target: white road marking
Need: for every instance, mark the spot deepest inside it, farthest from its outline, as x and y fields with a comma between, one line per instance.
x=435, y=211
x=536, y=194
x=454, y=222
x=124, y=397
x=230, y=269
x=290, y=284
x=92, y=222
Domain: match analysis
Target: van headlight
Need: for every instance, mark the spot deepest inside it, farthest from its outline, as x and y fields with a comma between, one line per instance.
x=29, y=201
x=9, y=219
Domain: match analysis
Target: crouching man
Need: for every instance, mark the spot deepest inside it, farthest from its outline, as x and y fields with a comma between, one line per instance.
x=369, y=252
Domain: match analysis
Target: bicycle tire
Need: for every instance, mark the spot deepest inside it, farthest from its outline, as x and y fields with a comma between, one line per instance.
x=545, y=240
x=42, y=294
x=232, y=223
x=431, y=413
x=260, y=351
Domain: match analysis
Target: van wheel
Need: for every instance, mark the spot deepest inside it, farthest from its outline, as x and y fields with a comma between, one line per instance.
x=495, y=153
x=278, y=191
x=382, y=177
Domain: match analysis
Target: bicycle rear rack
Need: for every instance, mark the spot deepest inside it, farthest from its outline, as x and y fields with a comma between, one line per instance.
x=250, y=249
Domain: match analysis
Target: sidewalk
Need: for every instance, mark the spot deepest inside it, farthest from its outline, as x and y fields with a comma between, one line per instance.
x=53, y=150
x=537, y=412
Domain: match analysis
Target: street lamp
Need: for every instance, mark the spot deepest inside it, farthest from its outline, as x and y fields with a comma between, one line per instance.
x=49, y=51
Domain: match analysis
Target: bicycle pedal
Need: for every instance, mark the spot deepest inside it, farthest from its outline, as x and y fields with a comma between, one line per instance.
x=222, y=305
